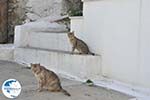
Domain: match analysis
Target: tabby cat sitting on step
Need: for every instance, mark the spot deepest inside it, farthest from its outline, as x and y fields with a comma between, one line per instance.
x=78, y=44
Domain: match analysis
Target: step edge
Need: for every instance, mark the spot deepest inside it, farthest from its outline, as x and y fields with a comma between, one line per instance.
x=56, y=51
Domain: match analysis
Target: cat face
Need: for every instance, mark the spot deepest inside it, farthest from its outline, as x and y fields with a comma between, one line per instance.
x=35, y=68
x=70, y=34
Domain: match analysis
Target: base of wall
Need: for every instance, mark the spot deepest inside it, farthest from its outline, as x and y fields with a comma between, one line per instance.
x=82, y=66
x=138, y=93
x=6, y=52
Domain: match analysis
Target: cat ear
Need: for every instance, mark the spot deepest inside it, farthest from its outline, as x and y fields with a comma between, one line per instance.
x=72, y=32
x=38, y=64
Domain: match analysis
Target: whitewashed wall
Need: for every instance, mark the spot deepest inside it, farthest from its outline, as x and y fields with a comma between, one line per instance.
x=145, y=44
x=119, y=31
x=77, y=25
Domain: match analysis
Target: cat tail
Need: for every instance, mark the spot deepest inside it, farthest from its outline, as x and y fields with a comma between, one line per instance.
x=65, y=92
x=92, y=53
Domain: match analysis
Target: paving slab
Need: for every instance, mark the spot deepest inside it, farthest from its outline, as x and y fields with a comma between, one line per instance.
x=78, y=90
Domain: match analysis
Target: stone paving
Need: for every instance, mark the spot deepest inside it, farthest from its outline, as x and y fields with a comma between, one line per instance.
x=78, y=90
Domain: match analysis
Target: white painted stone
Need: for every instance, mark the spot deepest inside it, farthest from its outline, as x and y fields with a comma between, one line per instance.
x=55, y=41
x=144, y=46
x=76, y=25
x=21, y=36
x=23, y=32
x=119, y=31
x=44, y=26
x=111, y=28
x=81, y=66
x=6, y=52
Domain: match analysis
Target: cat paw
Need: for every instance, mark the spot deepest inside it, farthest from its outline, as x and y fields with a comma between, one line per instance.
x=80, y=53
x=39, y=90
x=71, y=53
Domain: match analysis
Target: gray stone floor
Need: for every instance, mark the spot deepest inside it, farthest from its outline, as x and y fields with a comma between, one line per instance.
x=78, y=91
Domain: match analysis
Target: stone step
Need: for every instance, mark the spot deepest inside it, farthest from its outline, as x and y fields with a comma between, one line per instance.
x=49, y=40
x=79, y=66
x=42, y=34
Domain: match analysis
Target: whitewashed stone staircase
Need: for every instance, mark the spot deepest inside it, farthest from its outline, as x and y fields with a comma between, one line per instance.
x=47, y=43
